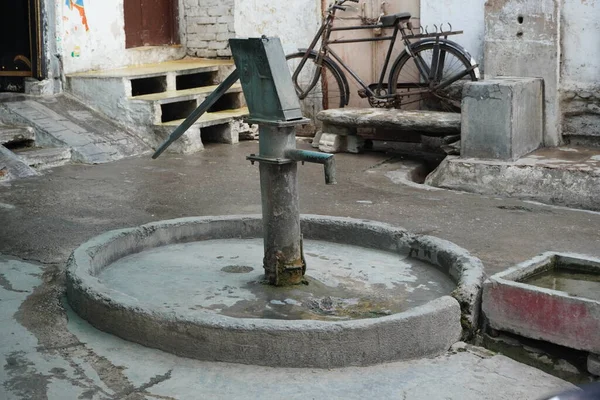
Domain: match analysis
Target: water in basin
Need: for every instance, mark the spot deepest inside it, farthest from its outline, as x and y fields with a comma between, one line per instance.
x=575, y=283
x=226, y=277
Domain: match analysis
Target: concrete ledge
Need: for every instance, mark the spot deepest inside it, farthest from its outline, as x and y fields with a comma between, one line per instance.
x=555, y=179
x=420, y=332
x=511, y=305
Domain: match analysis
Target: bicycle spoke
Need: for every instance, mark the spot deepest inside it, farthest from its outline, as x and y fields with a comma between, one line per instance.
x=452, y=68
x=317, y=87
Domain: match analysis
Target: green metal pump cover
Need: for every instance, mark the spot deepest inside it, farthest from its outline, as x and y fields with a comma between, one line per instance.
x=266, y=80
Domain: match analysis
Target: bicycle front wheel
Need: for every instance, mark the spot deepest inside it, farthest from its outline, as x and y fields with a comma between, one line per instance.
x=411, y=87
x=328, y=92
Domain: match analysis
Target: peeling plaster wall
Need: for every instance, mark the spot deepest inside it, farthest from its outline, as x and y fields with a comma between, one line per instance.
x=93, y=37
x=581, y=43
x=580, y=71
x=522, y=38
x=294, y=22
x=464, y=15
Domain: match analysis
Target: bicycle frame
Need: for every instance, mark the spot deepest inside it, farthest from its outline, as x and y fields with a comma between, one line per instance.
x=324, y=33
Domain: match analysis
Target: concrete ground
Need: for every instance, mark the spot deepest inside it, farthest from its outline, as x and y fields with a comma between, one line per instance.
x=50, y=353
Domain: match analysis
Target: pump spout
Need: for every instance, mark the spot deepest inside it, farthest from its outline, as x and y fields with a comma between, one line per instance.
x=314, y=157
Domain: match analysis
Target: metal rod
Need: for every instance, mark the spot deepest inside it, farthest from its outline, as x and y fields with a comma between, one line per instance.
x=455, y=77
x=377, y=39
x=197, y=113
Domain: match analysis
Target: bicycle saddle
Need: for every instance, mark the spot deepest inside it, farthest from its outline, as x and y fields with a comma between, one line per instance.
x=392, y=20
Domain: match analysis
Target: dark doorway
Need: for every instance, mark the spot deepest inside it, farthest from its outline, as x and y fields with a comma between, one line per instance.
x=150, y=22
x=21, y=32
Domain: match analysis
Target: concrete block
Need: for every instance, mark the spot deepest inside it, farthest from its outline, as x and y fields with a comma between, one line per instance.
x=593, y=364
x=43, y=87
x=332, y=143
x=355, y=144
x=224, y=133
x=522, y=38
x=317, y=139
x=502, y=118
x=245, y=131
x=335, y=143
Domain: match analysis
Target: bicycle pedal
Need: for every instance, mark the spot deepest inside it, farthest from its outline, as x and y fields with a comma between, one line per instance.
x=362, y=93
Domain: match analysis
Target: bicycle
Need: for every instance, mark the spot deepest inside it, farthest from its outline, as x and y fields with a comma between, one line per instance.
x=437, y=64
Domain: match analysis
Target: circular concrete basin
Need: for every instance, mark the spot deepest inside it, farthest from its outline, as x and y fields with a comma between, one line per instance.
x=192, y=287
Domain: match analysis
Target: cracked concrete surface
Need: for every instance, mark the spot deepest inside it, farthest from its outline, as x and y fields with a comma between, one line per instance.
x=47, y=352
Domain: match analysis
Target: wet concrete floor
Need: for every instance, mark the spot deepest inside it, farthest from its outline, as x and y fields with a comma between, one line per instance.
x=44, y=218
x=49, y=353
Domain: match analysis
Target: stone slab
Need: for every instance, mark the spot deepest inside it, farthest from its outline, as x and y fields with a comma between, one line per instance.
x=502, y=118
x=431, y=123
x=554, y=316
x=62, y=121
x=522, y=38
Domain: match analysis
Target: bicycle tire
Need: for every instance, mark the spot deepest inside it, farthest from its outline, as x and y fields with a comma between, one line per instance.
x=315, y=101
x=404, y=73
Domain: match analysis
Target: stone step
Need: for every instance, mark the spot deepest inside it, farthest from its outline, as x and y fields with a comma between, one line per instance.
x=44, y=158
x=173, y=96
x=13, y=133
x=13, y=167
x=153, y=99
x=212, y=118
x=431, y=123
x=158, y=108
x=177, y=67
x=217, y=127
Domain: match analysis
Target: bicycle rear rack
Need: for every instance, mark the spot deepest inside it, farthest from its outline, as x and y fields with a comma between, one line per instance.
x=436, y=35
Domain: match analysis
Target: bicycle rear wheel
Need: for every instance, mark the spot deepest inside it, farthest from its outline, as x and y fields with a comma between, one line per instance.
x=406, y=80
x=328, y=92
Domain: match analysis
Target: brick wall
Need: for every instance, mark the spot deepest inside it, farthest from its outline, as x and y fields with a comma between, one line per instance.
x=209, y=25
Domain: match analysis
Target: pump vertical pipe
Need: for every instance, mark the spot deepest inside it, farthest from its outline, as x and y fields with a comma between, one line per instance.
x=283, y=261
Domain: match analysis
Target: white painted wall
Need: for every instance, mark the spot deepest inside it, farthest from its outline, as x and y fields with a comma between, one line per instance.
x=102, y=46
x=580, y=34
x=294, y=22
x=581, y=44
x=464, y=15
